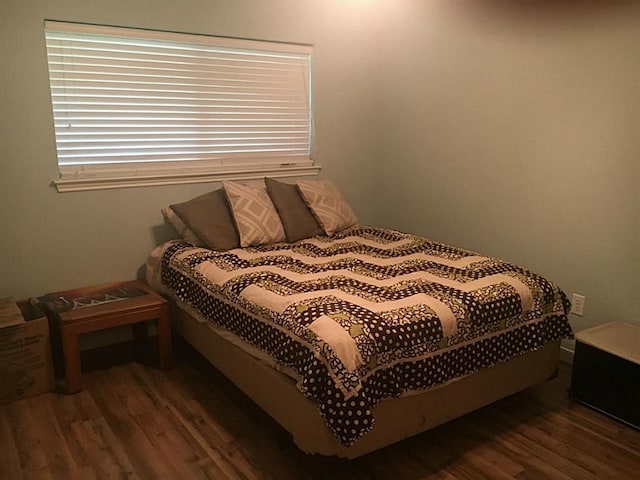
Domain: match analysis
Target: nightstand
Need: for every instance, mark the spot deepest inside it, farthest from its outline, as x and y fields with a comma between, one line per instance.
x=75, y=312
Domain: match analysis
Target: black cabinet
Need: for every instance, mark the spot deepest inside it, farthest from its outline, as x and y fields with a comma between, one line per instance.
x=606, y=371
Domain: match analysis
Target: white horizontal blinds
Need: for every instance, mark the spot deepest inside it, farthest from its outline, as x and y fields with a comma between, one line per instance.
x=143, y=98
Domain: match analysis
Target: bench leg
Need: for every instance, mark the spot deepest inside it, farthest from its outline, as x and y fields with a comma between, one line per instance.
x=72, y=369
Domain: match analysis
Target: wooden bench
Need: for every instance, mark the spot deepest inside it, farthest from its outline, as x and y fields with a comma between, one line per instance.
x=134, y=311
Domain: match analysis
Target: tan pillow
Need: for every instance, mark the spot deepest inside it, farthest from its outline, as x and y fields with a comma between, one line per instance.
x=209, y=218
x=256, y=218
x=327, y=204
x=297, y=219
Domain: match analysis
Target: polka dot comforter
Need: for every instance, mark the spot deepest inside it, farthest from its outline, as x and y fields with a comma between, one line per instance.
x=369, y=313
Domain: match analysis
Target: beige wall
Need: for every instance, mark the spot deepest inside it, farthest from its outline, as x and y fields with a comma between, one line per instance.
x=516, y=132
x=54, y=241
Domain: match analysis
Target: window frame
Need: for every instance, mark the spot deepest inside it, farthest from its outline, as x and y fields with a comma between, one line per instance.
x=82, y=175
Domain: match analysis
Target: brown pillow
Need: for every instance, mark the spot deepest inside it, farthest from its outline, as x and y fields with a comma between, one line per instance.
x=180, y=227
x=297, y=219
x=208, y=216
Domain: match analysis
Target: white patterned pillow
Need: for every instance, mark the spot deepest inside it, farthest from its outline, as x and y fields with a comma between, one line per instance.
x=326, y=202
x=256, y=217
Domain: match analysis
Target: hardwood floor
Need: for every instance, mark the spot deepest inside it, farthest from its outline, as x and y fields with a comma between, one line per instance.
x=134, y=421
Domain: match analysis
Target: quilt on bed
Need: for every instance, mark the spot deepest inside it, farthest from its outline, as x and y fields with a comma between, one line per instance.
x=369, y=313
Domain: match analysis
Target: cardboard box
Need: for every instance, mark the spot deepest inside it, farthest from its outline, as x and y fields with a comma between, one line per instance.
x=25, y=351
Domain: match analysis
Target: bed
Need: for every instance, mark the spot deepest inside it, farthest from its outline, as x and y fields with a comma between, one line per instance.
x=358, y=339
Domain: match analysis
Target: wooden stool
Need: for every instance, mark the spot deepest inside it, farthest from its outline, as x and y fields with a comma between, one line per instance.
x=123, y=311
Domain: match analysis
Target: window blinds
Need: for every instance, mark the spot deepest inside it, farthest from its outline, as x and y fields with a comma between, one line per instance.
x=127, y=100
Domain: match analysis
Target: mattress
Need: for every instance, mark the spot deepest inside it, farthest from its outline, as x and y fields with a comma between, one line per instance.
x=367, y=314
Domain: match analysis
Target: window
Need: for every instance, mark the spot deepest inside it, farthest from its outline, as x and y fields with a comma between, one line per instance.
x=138, y=107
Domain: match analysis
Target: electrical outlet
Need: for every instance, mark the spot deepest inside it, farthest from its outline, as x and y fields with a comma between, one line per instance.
x=577, y=304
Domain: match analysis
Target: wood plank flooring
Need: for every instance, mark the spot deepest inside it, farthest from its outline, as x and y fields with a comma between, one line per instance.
x=134, y=421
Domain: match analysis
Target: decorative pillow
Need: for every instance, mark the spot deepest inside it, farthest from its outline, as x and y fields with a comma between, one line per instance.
x=326, y=202
x=297, y=219
x=256, y=217
x=209, y=218
x=185, y=232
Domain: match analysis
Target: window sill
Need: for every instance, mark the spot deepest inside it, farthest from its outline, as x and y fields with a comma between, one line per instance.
x=152, y=180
